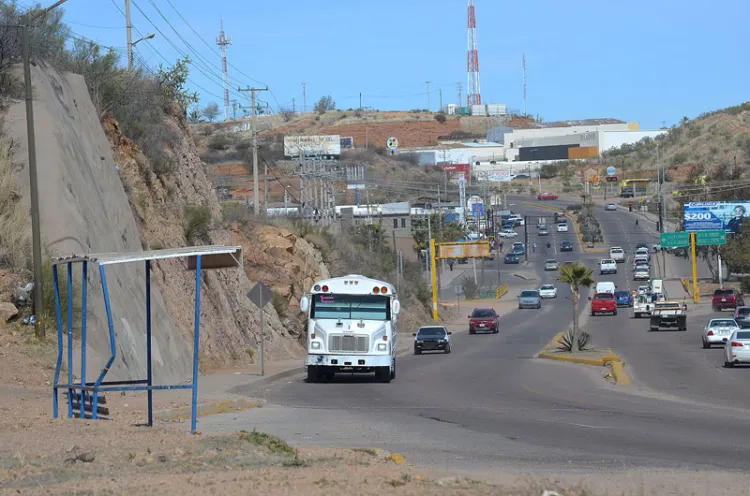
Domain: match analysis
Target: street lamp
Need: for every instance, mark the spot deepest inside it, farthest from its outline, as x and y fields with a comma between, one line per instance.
x=36, y=234
x=130, y=49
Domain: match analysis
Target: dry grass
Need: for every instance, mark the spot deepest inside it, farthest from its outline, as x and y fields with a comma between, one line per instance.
x=15, y=225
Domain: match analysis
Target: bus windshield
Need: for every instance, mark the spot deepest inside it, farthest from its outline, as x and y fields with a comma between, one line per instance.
x=355, y=307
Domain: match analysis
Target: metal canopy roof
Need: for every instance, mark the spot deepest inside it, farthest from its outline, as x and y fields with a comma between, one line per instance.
x=212, y=257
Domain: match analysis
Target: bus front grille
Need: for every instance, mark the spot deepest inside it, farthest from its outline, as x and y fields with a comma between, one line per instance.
x=349, y=343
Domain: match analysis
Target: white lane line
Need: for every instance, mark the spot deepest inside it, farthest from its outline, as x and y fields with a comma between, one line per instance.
x=585, y=426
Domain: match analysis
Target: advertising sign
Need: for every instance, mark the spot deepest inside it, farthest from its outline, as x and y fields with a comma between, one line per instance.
x=327, y=146
x=469, y=249
x=499, y=177
x=708, y=216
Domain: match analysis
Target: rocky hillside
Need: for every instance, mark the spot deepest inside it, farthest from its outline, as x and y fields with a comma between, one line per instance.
x=179, y=207
x=696, y=147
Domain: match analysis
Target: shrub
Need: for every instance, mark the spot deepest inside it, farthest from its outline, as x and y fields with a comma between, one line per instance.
x=440, y=117
x=197, y=223
x=219, y=142
x=15, y=236
x=745, y=285
x=566, y=341
x=471, y=290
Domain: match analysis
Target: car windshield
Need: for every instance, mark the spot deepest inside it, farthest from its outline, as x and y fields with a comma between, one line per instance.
x=723, y=292
x=608, y=261
x=551, y=261
x=604, y=296
x=620, y=294
x=743, y=335
x=431, y=332
x=529, y=294
x=722, y=323
x=743, y=312
x=482, y=314
x=342, y=306
x=548, y=286
x=615, y=250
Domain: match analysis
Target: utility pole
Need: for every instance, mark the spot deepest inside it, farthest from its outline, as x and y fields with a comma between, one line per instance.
x=441, y=99
x=659, y=181
x=129, y=29
x=256, y=192
x=304, y=98
x=460, y=93
x=294, y=106
x=428, y=96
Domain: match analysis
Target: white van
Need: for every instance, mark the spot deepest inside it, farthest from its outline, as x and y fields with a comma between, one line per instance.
x=605, y=287
x=617, y=254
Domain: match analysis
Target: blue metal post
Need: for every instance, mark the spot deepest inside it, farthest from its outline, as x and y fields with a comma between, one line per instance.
x=149, y=376
x=112, y=349
x=84, y=285
x=58, y=365
x=196, y=344
x=70, y=340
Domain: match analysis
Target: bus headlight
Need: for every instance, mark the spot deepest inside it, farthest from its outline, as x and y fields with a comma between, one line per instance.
x=315, y=345
x=382, y=347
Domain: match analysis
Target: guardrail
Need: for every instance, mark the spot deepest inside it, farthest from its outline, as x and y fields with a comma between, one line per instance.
x=501, y=291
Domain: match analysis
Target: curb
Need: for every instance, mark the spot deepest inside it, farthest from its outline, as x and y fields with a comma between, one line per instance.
x=613, y=360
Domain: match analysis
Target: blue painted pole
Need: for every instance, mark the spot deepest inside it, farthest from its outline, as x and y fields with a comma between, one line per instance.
x=70, y=341
x=84, y=287
x=149, y=376
x=196, y=344
x=112, y=348
x=58, y=365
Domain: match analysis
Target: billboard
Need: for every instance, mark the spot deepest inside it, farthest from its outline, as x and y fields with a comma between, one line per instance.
x=468, y=249
x=705, y=216
x=347, y=142
x=499, y=177
x=326, y=146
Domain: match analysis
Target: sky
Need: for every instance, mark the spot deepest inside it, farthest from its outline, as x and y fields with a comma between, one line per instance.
x=648, y=61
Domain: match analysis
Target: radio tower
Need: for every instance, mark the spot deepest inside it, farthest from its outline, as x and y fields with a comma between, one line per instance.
x=223, y=42
x=473, y=93
x=523, y=64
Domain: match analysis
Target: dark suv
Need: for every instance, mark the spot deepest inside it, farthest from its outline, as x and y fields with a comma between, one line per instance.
x=742, y=316
x=484, y=319
x=726, y=298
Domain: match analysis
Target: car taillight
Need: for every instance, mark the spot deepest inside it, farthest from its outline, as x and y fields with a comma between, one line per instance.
x=710, y=333
x=325, y=289
x=735, y=343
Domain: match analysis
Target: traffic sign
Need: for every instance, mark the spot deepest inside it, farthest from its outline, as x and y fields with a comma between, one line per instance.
x=392, y=143
x=611, y=170
x=612, y=179
x=674, y=239
x=706, y=238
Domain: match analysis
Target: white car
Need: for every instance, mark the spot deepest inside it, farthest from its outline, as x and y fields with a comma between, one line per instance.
x=643, y=252
x=642, y=290
x=641, y=263
x=737, y=349
x=607, y=266
x=548, y=291
x=718, y=331
x=610, y=206
x=517, y=220
x=508, y=233
x=551, y=264
x=641, y=273
x=617, y=254
x=562, y=227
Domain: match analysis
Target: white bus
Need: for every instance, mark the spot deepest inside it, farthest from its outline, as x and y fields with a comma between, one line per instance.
x=351, y=327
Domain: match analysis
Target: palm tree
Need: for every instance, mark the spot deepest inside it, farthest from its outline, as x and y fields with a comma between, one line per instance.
x=577, y=276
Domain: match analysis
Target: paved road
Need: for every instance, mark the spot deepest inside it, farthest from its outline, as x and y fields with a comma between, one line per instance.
x=491, y=405
x=669, y=362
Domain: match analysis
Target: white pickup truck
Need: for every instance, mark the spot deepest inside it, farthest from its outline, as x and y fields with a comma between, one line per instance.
x=668, y=314
x=617, y=254
x=607, y=266
x=642, y=306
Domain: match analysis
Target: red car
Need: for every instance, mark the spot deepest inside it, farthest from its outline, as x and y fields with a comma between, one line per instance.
x=726, y=298
x=484, y=319
x=546, y=196
x=603, y=303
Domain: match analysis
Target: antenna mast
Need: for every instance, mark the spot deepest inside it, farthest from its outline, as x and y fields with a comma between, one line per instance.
x=523, y=61
x=223, y=42
x=473, y=92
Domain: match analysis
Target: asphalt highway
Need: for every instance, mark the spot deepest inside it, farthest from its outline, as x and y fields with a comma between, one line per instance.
x=491, y=404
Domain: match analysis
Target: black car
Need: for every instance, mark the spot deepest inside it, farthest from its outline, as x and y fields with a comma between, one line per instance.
x=566, y=246
x=742, y=316
x=432, y=338
x=641, y=245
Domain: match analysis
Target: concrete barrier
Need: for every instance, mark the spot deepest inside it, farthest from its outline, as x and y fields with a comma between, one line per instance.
x=501, y=291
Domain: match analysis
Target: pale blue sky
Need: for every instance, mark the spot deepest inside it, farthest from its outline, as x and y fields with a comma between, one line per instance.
x=648, y=61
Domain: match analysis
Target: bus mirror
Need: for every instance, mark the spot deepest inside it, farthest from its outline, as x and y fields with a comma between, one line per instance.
x=304, y=303
x=396, y=307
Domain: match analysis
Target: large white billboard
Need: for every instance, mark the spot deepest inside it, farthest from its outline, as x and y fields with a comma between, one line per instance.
x=326, y=146
x=704, y=216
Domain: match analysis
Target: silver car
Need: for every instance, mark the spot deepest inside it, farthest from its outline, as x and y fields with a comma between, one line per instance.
x=529, y=298
x=551, y=264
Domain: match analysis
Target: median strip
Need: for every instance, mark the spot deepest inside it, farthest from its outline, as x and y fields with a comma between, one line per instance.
x=606, y=357
x=575, y=229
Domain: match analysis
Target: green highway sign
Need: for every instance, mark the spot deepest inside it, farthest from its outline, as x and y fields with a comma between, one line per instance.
x=702, y=238
x=716, y=237
x=674, y=239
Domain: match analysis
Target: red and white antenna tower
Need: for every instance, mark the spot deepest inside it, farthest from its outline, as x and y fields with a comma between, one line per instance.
x=223, y=42
x=473, y=93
